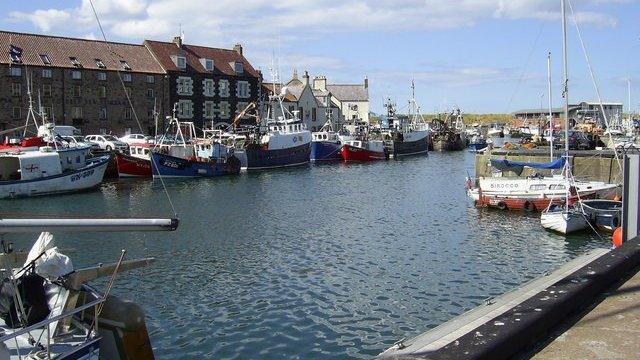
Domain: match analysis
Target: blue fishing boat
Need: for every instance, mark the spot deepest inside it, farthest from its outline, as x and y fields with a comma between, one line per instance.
x=477, y=143
x=326, y=144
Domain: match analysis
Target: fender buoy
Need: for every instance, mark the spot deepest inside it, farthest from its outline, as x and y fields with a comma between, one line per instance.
x=617, y=237
x=502, y=206
x=529, y=206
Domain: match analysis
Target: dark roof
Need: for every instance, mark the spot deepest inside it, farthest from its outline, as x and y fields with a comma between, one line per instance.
x=163, y=51
x=60, y=49
x=349, y=92
x=543, y=110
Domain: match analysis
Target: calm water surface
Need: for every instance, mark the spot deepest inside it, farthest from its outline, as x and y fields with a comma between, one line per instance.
x=331, y=261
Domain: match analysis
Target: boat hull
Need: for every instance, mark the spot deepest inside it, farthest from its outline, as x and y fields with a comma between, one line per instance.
x=163, y=165
x=408, y=148
x=446, y=144
x=259, y=158
x=604, y=214
x=325, y=151
x=84, y=178
x=563, y=222
x=131, y=166
x=530, y=204
x=356, y=154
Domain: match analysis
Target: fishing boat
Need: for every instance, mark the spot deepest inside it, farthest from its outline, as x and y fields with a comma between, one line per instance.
x=477, y=143
x=363, y=151
x=49, y=171
x=137, y=163
x=449, y=134
x=496, y=130
x=49, y=308
x=280, y=141
x=187, y=156
x=405, y=137
x=326, y=143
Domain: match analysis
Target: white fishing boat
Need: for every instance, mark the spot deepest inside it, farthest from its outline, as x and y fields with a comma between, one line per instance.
x=49, y=171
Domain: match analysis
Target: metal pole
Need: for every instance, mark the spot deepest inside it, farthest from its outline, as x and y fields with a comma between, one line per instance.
x=550, y=105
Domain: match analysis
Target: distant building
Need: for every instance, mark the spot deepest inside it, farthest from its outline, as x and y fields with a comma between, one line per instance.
x=79, y=82
x=351, y=100
x=584, y=111
x=208, y=85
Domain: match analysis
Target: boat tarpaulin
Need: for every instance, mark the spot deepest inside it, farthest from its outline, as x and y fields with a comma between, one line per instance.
x=518, y=166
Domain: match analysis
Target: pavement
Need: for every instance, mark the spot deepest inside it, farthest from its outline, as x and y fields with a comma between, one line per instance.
x=610, y=330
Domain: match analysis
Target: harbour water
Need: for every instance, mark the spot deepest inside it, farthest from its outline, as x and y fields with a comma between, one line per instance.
x=326, y=261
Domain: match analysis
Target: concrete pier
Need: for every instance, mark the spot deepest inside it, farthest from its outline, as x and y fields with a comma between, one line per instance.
x=609, y=331
x=592, y=165
x=521, y=322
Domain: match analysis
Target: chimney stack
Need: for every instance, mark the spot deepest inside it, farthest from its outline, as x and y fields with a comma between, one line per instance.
x=320, y=83
x=305, y=78
x=366, y=82
x=238, y=48
x=178, y=41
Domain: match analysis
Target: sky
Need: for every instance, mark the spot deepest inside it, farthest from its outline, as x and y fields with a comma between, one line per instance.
x=484, y=56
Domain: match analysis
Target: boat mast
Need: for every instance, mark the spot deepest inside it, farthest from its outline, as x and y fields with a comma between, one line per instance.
x=565, y=95
x=550, y=105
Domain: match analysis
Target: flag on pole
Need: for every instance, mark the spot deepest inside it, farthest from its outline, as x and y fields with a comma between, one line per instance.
x=15, y=53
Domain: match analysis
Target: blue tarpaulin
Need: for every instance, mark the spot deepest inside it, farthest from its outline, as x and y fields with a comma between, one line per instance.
x=518, y=166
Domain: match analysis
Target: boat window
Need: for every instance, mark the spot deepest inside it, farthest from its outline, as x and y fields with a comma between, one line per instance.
x=537, y=187
x=146, y=151
x=556, y=187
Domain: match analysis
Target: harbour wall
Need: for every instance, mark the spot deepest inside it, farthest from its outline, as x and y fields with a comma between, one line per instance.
x=593, y=165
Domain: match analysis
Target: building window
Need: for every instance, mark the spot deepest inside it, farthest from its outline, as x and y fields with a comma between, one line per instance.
x=151, y=79
x=76, y=74
x=16, y=89
x=224, y=110
x=16, y=113
x=238, y=67
x=207, y=64
x=209, y=109
x=223, y=87
x=76, y=112
x=45, y=59
x=208, y=87
x=102, y=76
x=185, y=109
x=124, y=65
x=314, y=114
x=100, y=64
x=242, y=89
x=184, y=85
x=126, y=77
x=46, y=90
x=150, y=93
x=77, y=91
x=127, y=113
x=74, y=61
x=15, y=71
x=102, y=91
x=46, y=73
x=180, y=61
x=103, y=113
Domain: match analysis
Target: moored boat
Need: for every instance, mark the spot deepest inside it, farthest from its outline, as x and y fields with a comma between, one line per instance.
x=363, y=151
x=604, y=214
x=405, y=137
x=325, y=146
x=137, y=163
x=563, y=220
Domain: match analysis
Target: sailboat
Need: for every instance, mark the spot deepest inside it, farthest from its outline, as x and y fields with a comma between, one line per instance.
x=568, y=217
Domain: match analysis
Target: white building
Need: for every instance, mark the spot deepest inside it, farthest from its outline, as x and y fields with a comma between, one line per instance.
x=351, y=99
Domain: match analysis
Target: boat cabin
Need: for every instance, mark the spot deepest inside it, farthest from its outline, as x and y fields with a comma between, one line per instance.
x=29, y=165
x=140, y=150
x=325, y=136
x=371, y=145
x=286, y=128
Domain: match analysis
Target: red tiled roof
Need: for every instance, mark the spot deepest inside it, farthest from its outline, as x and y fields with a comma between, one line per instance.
x=59, y=49
x=221, y=57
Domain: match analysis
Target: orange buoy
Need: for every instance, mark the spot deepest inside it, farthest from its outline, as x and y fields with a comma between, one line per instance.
x=617, y=237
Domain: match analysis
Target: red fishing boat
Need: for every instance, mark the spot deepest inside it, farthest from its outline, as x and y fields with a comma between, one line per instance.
x=363, y=150
x=137, y=164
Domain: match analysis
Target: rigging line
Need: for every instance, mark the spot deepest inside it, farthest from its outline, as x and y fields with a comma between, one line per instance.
x=593, y=77
x=526, y=67
x=126, y=93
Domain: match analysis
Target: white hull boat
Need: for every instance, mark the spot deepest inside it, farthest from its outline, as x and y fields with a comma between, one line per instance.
x=563, y=221
x=37, y=173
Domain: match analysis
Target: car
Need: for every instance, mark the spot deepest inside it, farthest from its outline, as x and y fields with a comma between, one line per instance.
x=78, y=140
x=135, y=138
x=107, y=142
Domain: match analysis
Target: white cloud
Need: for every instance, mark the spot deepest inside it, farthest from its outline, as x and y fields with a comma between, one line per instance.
x=45, y=20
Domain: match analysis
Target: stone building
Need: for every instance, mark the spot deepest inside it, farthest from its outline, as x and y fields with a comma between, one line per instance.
x=581, y=112
x=351, y=99
x=80, y=82
x=207, y=85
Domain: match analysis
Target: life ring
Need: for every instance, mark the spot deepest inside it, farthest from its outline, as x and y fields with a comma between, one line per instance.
x=501, y=205
x=529, y=206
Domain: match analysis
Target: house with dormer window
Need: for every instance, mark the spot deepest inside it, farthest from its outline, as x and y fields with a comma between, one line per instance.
x=207, y=84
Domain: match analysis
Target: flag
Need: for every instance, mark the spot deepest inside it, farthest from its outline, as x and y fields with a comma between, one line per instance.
x=15, y=51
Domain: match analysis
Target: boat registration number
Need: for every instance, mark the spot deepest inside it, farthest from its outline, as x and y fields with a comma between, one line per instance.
x=82, y=175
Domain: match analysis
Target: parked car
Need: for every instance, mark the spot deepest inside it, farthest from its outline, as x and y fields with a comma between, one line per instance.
x=135, y=138
x=78, y=140
x=107, y=142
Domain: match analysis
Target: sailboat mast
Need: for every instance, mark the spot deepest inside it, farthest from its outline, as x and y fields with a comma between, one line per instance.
x=565, y=90
x=550, y=105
